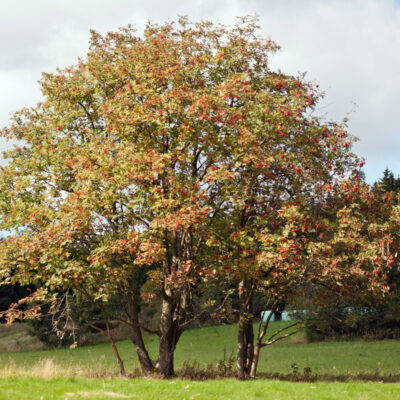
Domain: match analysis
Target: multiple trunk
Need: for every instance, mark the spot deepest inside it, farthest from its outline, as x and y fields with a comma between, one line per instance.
x=172, y=319
x=248, y=353
x=245, y=350
x=173, y=315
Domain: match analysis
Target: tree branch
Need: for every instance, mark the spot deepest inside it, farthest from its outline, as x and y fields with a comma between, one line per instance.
x=269, y=342
x=87, y=114
x=205, y=311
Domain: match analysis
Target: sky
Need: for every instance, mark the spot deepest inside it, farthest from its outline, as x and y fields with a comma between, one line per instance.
x=349, y=47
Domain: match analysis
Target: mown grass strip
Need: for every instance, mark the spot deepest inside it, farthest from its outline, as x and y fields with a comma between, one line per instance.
x=143, y=389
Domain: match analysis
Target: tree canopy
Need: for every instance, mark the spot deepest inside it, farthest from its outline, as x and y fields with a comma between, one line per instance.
x=182, y=155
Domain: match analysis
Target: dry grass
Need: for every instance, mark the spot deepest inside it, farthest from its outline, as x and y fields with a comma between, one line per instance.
x=15, y=338
x=298, y=339
x=47, y=368
x=91, y=395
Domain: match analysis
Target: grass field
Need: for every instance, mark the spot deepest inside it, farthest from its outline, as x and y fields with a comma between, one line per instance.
x=69, y=374
x=209, y=345
x=227, y=389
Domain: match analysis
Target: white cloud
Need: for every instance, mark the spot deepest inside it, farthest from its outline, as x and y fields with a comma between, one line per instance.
x=349, y=46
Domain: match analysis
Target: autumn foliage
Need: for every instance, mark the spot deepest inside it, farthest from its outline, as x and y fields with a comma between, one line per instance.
x=180, y=154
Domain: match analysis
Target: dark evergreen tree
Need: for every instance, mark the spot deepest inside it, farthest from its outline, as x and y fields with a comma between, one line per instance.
x=388, y=182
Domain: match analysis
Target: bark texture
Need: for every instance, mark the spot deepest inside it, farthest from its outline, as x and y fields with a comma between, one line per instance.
x=136, y=336
x=172, y=316
x=245, y=351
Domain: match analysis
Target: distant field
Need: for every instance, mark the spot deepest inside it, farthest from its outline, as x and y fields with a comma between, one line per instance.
x=14, y=338
x=208, y=345
x=227, y=389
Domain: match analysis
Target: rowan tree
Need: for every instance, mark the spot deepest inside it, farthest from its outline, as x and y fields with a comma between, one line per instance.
x=113, y=170
x=341, y=247
x=170, y=155
x=284, y=158
x=368, y=233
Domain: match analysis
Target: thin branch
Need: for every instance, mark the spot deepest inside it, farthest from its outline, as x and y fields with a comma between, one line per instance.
x=114, y=317
x=261, y=334
x=284, y=329
x=280, y=338
x=205, y=311
x=87, y=114
x=111, y=339
x=250, y=295
x=148, y=330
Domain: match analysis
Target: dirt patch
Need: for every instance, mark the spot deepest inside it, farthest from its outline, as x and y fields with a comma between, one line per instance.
x=299, y=340
x=87, y=395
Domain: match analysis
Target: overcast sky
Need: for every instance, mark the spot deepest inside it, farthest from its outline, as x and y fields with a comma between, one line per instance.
x=350, y=47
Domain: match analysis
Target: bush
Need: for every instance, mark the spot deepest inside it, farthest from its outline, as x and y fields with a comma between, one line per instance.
x=346, y=322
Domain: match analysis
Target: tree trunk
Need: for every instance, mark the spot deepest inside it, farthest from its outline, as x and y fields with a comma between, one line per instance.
x=170, y=333
x=144, y=359
x=245, y=347
x=137, y=338
x=254, y=364
x=245, y=350
x=174, y=305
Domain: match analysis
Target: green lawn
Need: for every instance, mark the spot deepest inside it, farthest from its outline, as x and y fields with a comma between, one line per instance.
x=59, y=374
x=78, y=388
x=208, y=345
